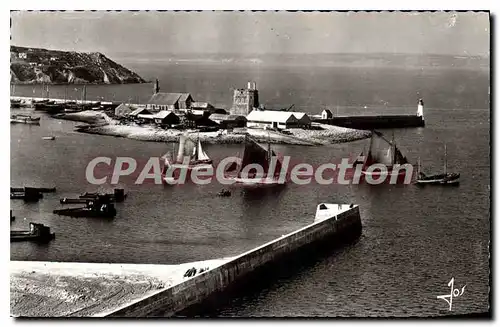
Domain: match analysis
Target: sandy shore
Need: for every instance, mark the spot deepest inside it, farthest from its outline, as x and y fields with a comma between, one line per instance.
x=104, y=125
x=68, y=289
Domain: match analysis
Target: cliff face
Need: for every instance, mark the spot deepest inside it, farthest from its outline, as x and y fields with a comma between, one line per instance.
x=33, y=65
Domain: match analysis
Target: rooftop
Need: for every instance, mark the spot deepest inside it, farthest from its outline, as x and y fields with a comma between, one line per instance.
x=167, y=98
x=163, y=113
x=271, y=116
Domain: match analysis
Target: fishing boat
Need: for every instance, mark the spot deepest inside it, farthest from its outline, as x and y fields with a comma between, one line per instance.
x=96, y=208
x=444, y=178
x=383, y=151
x=39, y=189
x=29, y=194
x=188, y=151
x=24, y=119
x=254, y=153
x=37, y=232
x=15, y=103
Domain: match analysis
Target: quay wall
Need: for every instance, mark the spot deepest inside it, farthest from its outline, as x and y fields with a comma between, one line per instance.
x=346, y=226
x=375, y=122
x=29, y=99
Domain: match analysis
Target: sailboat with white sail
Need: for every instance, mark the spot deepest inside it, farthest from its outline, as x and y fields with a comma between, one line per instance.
x=189, y=151
x=383, y=151
x=256, y=154
x=444, y=178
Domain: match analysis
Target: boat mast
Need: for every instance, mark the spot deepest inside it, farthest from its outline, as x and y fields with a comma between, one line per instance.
x=268, y=148
x=445, y=159
x=393, y=148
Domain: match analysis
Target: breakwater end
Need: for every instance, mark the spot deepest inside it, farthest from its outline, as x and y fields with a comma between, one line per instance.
x=333, y=225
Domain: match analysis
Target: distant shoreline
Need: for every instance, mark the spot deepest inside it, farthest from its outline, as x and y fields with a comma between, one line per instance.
x=59, y=83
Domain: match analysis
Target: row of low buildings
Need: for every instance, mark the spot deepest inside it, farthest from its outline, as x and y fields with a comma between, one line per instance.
x=175, y=108
x=255, y=119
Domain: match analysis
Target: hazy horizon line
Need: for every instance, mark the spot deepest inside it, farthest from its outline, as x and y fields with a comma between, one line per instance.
x=260, y=53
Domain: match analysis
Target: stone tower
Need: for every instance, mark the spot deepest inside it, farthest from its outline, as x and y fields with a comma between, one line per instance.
x=156, y=87
x=244, y=100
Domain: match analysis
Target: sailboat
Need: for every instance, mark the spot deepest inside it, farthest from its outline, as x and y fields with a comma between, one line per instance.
x=444, y=178
x=254, y=153
x=198, y=158
x=383, y=151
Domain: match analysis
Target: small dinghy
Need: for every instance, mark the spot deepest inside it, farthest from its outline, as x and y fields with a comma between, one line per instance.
x=224, y=193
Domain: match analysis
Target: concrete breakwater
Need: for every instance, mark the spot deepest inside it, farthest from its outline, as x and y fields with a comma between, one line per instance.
x=375, y=122
x=333, y=224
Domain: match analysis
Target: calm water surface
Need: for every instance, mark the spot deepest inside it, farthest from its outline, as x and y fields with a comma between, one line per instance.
x=414, y=239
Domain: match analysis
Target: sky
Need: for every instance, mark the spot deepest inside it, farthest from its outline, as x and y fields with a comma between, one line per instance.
x=452, y=33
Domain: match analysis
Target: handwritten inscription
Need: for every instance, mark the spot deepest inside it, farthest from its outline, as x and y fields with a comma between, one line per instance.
x=454, y=292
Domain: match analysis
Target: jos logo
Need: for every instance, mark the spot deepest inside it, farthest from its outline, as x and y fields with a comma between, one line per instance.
x=453, y=293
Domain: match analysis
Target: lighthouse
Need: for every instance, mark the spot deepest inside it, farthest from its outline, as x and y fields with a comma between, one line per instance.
x=420, y=109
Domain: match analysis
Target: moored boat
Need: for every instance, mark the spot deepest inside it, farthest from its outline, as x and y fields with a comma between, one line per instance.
x=256, y=154
x=26, y=194
x=24, y=119
x=37, y=232
x=39, y=189
x=15, y=103
x=99, y=206
x=385, y=152
x=445, y=178
x=91, y=210
x=190, y=152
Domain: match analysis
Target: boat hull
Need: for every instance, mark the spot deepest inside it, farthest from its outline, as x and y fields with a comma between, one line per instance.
x=438, y=182
x=389, y=176
x=196, y=166
x=84, y=212
x=256, y=182
x=27, y=236
x=23, y=121
x=441, y=179
x=199, y=165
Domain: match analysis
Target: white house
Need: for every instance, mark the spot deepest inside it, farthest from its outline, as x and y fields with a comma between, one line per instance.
x=326, y=114
x=273, y=119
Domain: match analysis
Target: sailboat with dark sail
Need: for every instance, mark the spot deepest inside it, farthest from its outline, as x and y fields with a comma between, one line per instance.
x=190, y=155
x=444, y=178
x=383, y=151
x=256, y=154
